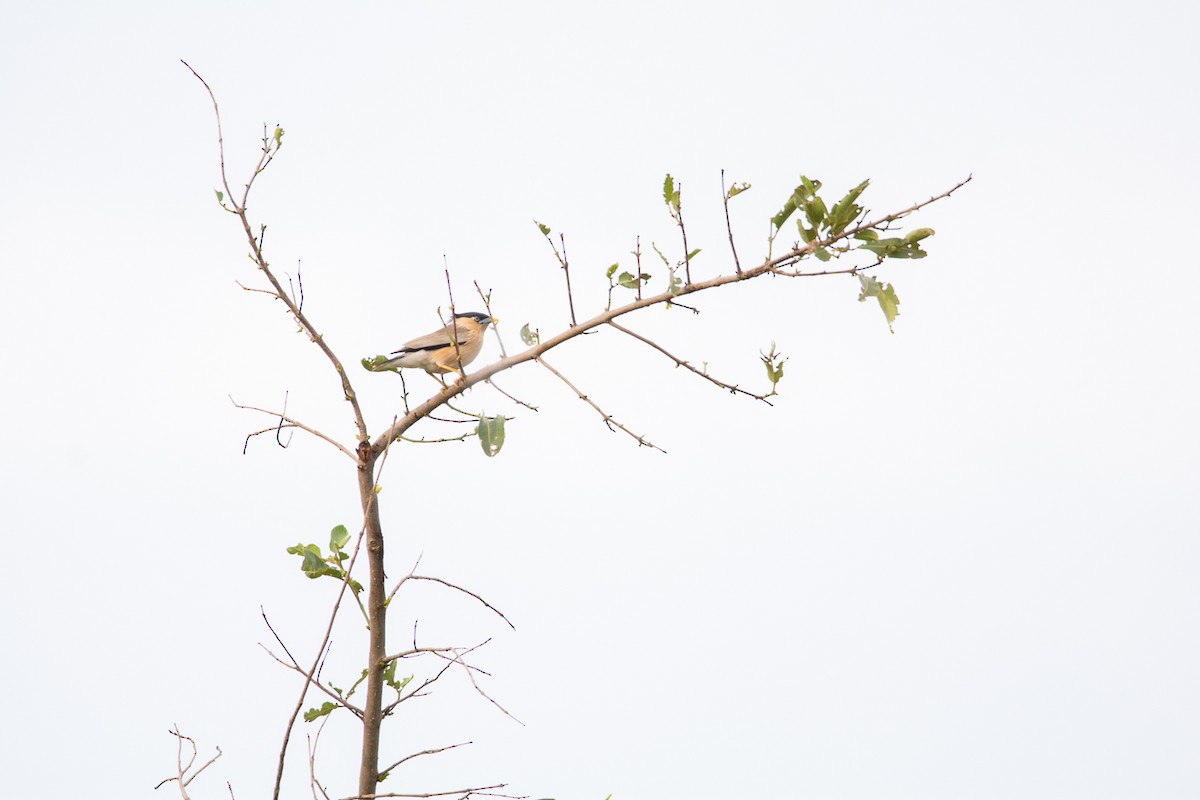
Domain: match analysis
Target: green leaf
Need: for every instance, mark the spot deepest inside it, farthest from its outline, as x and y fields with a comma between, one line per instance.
x=372, y=364
x=822, y=254
x=788, y=208
x=278, y=137
x=815, y=210
x=917, y=235
x=807, y=234
x=317, y=713
x=220, y=195
x=660, y=254
x=846, y=210
x=313, y=565
x=867, y=236
x=530, y=337
x=545, y=231
x=612, y=270
x=693, y=254
x=671, y=195
x=888, y=301
x=338, y=537
x=628, y=280
x=491, y=434
x=736, y=189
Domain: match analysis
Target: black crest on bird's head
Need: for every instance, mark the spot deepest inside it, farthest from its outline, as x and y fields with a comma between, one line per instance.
x=482, y=319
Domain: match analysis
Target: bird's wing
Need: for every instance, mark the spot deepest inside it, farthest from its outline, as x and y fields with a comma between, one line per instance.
x=430, y=341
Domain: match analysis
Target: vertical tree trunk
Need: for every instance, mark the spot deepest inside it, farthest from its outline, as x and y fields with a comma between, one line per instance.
x=368, y=773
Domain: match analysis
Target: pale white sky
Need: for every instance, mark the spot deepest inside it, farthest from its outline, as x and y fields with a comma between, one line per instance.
x=959, y=561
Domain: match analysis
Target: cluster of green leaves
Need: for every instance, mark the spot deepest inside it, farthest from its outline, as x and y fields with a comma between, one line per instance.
x=314, y=564
x=389, y=676
x=907, y=247
x=818, y=222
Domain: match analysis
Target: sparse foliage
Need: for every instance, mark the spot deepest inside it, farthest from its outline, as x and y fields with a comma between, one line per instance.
x=824, y=234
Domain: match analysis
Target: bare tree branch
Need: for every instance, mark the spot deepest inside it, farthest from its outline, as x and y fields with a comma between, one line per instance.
x=456, y=587
x=259, y=258
x=680, y=362
x=181, y=769
x=608, y=419
x=425, y=753
x=728, y=227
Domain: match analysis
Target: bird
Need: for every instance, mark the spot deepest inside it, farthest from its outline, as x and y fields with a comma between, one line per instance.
x=436, y=353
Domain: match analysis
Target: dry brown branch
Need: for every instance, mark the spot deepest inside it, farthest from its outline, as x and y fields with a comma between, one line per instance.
x=491, y=382
x=487, y=304
x=260, y=260
x=431, y=752
x=728, y=227
x=456, y=587
x=417, y=692
x=437, y=651
x=566, y=266
x=313, y=742
x=680, y=362
x=687, y=261
x=471, y=670
x=337, y=698
x=181, y=769
x=608, y=419
x=291, y=423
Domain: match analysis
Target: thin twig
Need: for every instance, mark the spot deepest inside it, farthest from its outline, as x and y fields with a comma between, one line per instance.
x=294, y=424
x=566, y=265
x=609, y=421
x=680, y=362
x=341, y=701
x=181, y=770
x=470, y=670
x=725, y=194
x=453, y=320
x=687, y=259
x=412, y=577
x=519, y=402
x=487, y=304
x=430, y=752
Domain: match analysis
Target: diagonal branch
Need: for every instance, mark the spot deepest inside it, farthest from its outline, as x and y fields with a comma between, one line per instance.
x=769, y=266
x=682, y=363
x=425, y=753
x=608, y=418
x=257, y=255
